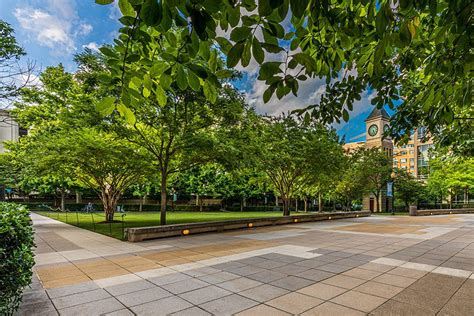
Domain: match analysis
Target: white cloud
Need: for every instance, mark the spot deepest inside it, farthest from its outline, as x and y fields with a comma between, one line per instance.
x=55, y=25
x=92, y=45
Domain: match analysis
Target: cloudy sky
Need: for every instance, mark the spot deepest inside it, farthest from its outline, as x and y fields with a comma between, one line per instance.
x=52, y=31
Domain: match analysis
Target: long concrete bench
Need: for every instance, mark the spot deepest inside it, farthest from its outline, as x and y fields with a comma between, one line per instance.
x=145, y=233
x=444, y=211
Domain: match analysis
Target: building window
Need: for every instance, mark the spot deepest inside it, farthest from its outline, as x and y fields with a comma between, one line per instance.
x=403, y=160
x=412, y=161
x=411, y=152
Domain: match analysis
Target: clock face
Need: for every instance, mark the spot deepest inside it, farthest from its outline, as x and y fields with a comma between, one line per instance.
x=386, y=128
x=373, y=129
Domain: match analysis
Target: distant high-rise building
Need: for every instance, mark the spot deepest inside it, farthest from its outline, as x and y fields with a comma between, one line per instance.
x=9, y=129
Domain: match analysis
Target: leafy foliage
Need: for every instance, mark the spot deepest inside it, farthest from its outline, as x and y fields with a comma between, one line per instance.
x=414, y=51
x=16, y=255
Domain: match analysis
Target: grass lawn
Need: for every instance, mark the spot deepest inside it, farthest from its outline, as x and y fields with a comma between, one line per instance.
x=143, y=219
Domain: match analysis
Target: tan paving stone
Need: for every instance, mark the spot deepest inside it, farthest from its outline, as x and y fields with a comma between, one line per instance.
x=65, y=281
x=295, y=303
x=322, y=291
x=395, y=280
x=379, y=289
x=261, y=310
x=360, y=301
x=330, y=309
x=344, y=281
x=394, y=308
x=362, y=273
x=409, y=273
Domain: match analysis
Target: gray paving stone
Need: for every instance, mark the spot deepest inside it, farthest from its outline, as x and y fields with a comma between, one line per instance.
x=228, y=265
x=238, y=285
x=271, y=264
x=122, y=312
x=228, y=305
x=164, y=306
x=246, y=270
x=143, y=296
x=205, y=294
x=170, y=278
x=80, y=298
x=32, y=297
x=315, y=275
x=72, y=289
x=193, y=311
x=335, y=268
x=267, y=276
x=185, y=286
x=39, y=308
x=291, y=269
x=219, y=277
x=292, y=283
x=129, y=287
x=93, y=308
x=264, y=293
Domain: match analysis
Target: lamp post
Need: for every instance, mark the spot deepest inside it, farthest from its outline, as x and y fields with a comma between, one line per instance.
x=393, y=176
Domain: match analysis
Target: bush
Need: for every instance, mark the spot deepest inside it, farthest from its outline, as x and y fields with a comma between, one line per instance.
x=16, y=255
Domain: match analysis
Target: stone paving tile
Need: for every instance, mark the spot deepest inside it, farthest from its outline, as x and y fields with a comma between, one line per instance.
x=394, y=308
x=164, y=306
x=129, y=287
x=343, y=281
x=170, y=278
x=44, y=308
x=292, y=283
x=335, y=268
x=204, y=294
x=262, y=309
x=184, y=286
x=395, y=280
x=80, y=298
x=376, y=267
x=246, y=270
x=218, y=277
x=359, y=301
x=362, y=273
x=240, y=284
x=379, y=289
x=263, y=293
x=228, y=305
x=143, y=296
x=329, y=308
x=122, y=312
x=193, y=311
x=105, y=306
x=322, y=291
x=295, y=303
x=315, y=275
x=267, y=276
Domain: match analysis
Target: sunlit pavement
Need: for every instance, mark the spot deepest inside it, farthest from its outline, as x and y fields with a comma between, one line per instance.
x=379, y=265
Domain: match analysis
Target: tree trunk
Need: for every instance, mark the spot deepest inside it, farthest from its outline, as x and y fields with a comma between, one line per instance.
x=242, y=204
x=306, y=205
x=109, y=201
x=164, y=199
x=78, y=197
x=276, y=200
x=296, y=205
x=320, y=202
x=63, y=198
x=377, y=203
x=286, y=207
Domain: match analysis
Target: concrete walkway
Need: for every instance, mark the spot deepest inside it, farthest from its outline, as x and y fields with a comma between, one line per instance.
x=380, y=265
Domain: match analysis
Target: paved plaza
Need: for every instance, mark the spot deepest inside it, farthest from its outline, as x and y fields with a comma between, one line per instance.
x=378, y=265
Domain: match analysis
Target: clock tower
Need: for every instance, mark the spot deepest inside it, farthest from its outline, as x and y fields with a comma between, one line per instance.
x=375, y=125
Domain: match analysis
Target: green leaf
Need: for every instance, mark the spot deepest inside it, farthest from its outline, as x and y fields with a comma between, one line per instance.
x=193, y=81
x=298, y=7
x=107, y=51
x=127, y=114
x=257, y=51
x=161, y=96
x=146, y=92
x=264, y=7
x=345, y=115
x=126, y=8
x=240, y=33
x=370, y=69
x=105, y=106
x=224, y=44
x=246, y=55
x=210, y=92
x=234, y=55
x=104, y=2
x=181, y=78
x=151, y=12
x=268, y=69
x=165, y=81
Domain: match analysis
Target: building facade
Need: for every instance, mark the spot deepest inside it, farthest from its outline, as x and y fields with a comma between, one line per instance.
x=412, y=157
x=9, y=129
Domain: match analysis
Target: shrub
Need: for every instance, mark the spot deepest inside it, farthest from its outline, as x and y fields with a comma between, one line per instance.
x=16, y=255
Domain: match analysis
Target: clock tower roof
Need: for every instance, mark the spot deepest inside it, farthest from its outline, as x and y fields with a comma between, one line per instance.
x=377, y=113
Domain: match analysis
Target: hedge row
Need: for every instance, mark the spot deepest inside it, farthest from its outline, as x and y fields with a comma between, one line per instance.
x=16, y=255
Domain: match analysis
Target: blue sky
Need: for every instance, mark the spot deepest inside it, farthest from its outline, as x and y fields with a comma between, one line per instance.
x=52, y=31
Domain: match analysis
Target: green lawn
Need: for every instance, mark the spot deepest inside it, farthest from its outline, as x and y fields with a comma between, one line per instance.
x=137, y=219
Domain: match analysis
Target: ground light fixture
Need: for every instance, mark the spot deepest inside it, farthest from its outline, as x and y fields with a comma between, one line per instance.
x=250, y=225
x=185, y=232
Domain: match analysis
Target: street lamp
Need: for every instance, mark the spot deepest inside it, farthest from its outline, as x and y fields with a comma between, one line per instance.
x=393, y=176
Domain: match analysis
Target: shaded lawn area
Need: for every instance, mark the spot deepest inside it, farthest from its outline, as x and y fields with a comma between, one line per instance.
x=95, y=221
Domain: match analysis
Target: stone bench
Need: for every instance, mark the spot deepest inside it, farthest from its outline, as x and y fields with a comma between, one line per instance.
x=442, y=211
x=137, y=234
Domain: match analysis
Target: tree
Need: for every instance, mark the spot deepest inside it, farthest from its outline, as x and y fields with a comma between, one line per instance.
x=290, y=153
x=416, y=51
x=375, y=168
x=13, y=76
x=406, y=187
x=350, y=183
